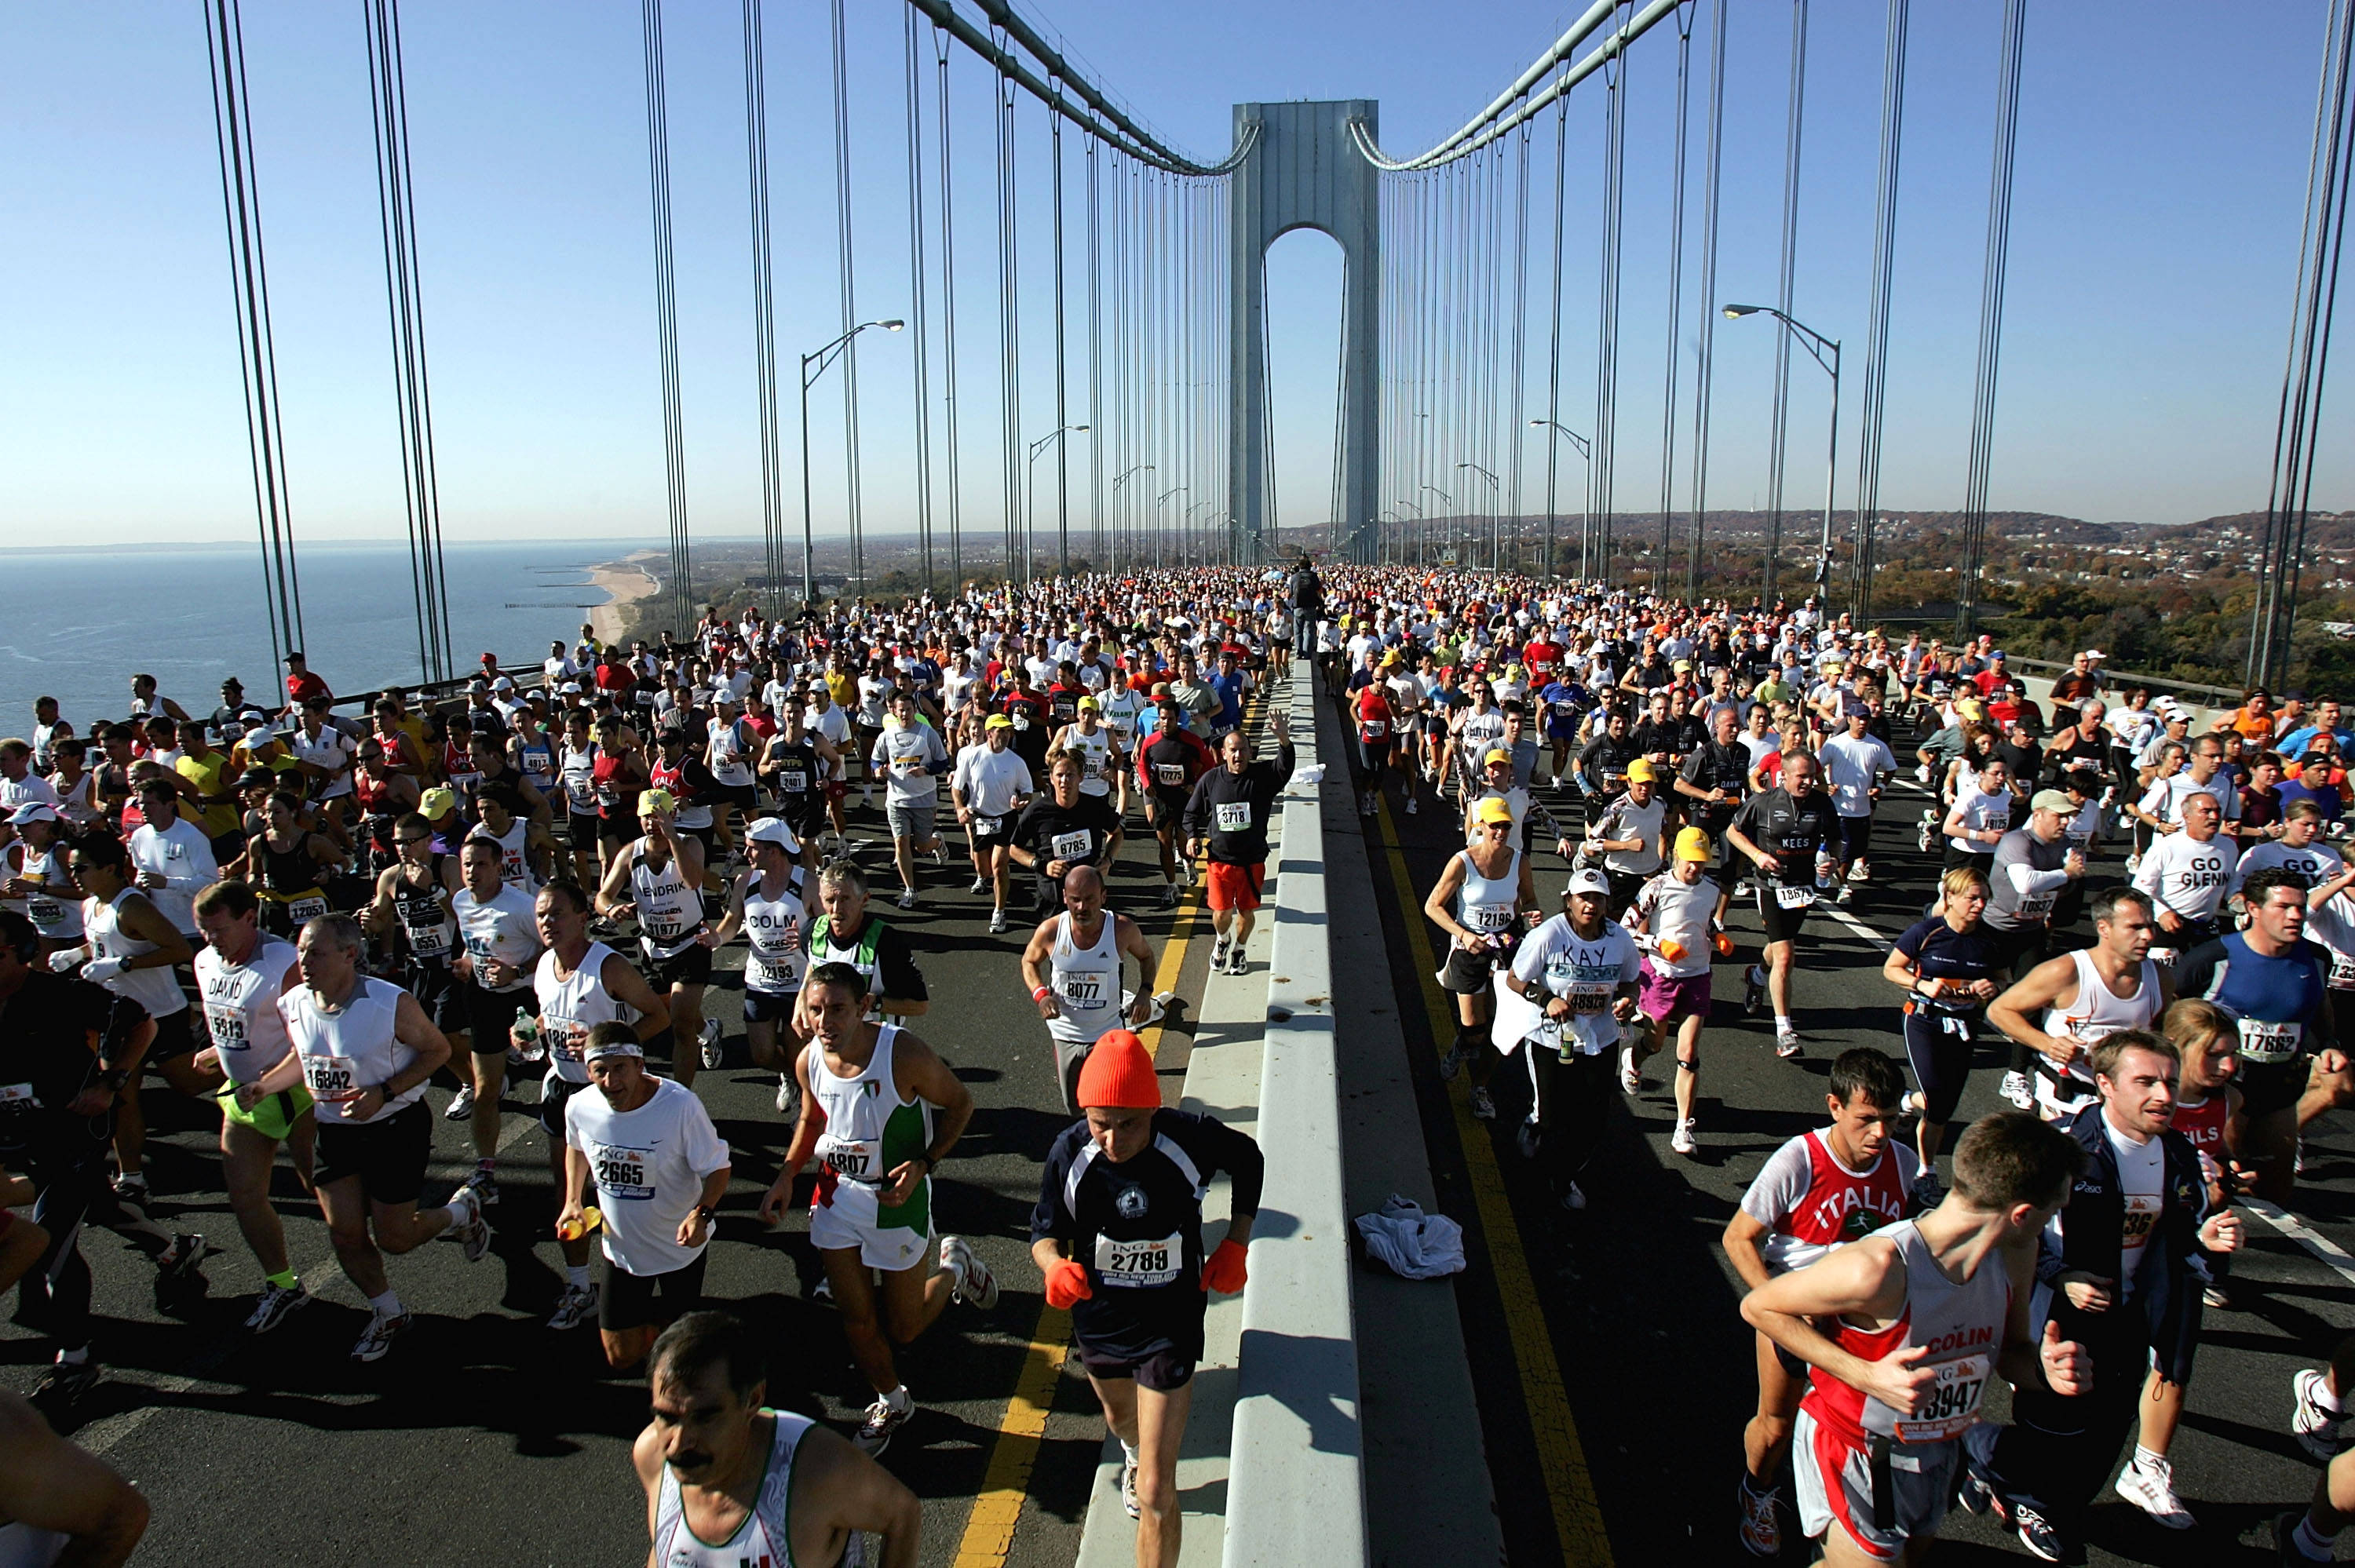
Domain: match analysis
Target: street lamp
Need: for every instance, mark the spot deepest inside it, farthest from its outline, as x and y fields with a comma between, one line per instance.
x=1030, y=505
x=821, y=359
x=1496, y=487
x=1173, y=489
x=1819, y=346
x=1585, y=449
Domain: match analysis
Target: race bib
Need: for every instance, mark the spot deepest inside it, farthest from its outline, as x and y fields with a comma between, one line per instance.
x=1489, y=917
x=566, y=1041
x=227, y=1026
x=1084, y=989
x=44, y=911
x=2269, y=1042
x=2035, y=911
x=1373, y=730
x=1951, y=1403
x=987, y=827
x=851, y=1160
x=1797, y=897
x=794, y=783
x=301, y=910
x=2142, y=1214
x=621, y=1172
x=2342, y=972
x=19, y=1095
x=1068, y=846
x=759, y=974
x=1140, y=1263
x=1232, y=817
x=330, y=1079
x=1589, y=999
x=431, y=942
x=1172, y=775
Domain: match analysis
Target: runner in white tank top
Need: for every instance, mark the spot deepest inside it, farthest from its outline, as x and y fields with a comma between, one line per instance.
x=1075, y=979
x=110, y=943
x=765, y=1535
x=669, y=907
x=770, y=905
x=2095, y=1013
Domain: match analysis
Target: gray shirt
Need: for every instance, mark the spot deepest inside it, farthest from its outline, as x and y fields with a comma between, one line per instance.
x=2027, y=876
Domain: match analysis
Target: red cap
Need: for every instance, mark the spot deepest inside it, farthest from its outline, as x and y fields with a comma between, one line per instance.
x=1118, y=1075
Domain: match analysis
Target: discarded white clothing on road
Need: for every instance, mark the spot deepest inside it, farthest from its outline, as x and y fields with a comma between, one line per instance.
x=1411, y=1243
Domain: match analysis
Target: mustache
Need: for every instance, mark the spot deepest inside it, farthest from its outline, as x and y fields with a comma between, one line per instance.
x=689, y=1461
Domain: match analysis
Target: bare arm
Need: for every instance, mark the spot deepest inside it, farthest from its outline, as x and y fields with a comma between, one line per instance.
x=1742, y=1235
x=837, y=1490
x=626, y=985
x=2040, y=990
x=47, y=1483
x=143, y=922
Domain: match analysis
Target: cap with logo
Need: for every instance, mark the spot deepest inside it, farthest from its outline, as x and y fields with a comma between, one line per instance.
x=1692, y=845
x=1588, y=881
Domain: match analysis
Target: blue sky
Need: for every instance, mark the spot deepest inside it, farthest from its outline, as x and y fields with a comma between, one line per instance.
x=2162, y=164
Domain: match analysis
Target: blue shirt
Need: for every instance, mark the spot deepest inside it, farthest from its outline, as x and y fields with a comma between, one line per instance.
x=1230, y=697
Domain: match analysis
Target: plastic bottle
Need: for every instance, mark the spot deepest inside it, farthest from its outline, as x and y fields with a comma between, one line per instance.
x=530, y=1047
x=592, y=1218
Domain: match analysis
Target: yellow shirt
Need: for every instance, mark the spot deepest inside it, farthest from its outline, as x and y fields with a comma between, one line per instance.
x=208, y=776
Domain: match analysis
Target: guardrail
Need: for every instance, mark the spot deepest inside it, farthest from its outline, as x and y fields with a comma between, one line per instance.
x=1295, y=1489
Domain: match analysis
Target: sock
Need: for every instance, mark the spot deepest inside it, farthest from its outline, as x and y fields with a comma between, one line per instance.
x=458, y=1212
x=2309, y=1541
x=73, y=1358
x=2145, y=1459
x=387, y=1305
x=576, y=1274
x=283, y=1279
x=900, y=1398
x=1782, y=1023
x=1129, y=1451
x=487, y=1163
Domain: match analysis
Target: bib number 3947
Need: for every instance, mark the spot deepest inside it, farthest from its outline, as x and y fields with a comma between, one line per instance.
x=1951, y=1404
x=1140, y=1263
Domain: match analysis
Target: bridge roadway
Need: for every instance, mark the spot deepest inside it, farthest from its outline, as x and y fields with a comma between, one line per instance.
x=1610, y=1369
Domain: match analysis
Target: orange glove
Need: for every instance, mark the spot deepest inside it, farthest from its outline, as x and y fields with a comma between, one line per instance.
x=1067, y=1282
x=1222, y=1271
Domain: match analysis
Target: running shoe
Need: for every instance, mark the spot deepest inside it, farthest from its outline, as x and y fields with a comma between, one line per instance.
x=66, y=1382
x=789, y=1094
x=1742, y=888
x=980, y=885
x=1860, y=872
x=1928, y=1191
x=2312, y=1423
x=714, y=1055
x=2297, y=1161
x=997, y=921
x=485, y=1184
x=2150, y=1485
x=378, y=1336
x=1753, y=992
x=1529, y=1137
x=939, y=855
x=2036, y=1534
x=1631, y=1077
x=1451, y=1062
x=1411, y=806
x=475, y=1232
x=1169, y=895
x=130, y=1188
x=2286, y=1540
x=1483, y=1107
x=462, y=1104
x=276, y=1304
x=907, y=899
x=1976, y=1490
x=1911, y=1103
x=1681, y=1140
x=176, y=1264
x=1787, y=1045
x=1847, y=894
x=1218, y=955
x=975, y=1285
x=2016, y=1089
x=1574, y=1199
x=1762, y=1527
x=884, y=1418
x=1236, y=963
x=1128, y=1485
x=574, y=1307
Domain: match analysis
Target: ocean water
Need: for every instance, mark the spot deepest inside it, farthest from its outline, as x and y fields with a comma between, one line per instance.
x=80, y=624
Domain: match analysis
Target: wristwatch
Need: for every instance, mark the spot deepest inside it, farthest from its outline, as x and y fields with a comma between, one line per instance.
x=704, y=1214
x=114, y=1078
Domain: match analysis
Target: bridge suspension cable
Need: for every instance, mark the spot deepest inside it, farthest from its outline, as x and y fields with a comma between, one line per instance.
x=765, y=309
x=1777, y=450
x=1876, y=346
x=1676, y=294
x=918, y=287
x=1705, y=345
x=681, y=597
x=1999, y=247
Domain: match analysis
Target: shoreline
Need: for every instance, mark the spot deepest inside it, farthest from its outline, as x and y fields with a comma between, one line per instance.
x=629, y=581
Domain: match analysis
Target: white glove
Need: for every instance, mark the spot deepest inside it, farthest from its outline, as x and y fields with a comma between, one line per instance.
x=101, y=970
x=63, y=960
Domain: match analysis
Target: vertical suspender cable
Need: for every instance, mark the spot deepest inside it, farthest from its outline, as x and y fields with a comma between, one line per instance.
x=257, y=353
x=948, y=316
x=847, y=267
x=1876, y=347
x=2320, y=245
x=1520, y=405
x=1703, y=360
x=1008, y=326
x=1095, y=361
x=1676, y=297
x=764, y=306
x=1063, y=414
x=1606, y=355
x=1783, y=295
x=917, y=310
x=1999, y=247
x=682, y=592
x=1553, y=352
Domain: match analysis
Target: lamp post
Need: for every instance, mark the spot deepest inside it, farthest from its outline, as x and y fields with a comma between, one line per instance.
x=1030, y=508
x=821, y=359
x=1585, y=449
x=1825, y=352
x=1496, y=487
x=1118, y=480
x=1173, y=489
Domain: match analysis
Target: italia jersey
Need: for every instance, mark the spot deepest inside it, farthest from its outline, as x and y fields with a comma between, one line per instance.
x=1810, y=1203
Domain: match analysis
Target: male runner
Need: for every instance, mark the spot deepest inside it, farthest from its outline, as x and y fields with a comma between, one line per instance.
x=1118, y=1236
x=657, y=880
x=846, y=931
x=1227, y=818
x=1073, y=966
x=730, y=1481
x=659, y=1169
x=2081, y=997
x=2186, y=873
x=770, y=905
x=869, y=1094
x=364, y=1050
x=1062, y=829
x=1583, y=972
x=1788, y=832
x=989, y=786
x=498, y=946
x=909, y=754
x=1168, y=764
x=59, y=1504
x=1818, y=1192
x=1902, y=1331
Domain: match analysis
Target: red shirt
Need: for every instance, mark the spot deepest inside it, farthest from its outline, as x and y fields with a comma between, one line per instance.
x=302, y=688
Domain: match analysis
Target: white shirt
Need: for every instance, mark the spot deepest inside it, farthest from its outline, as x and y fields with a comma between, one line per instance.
x=1587, y=973
x=648, y=1167
x=2187, y=877
x=1851, y=768
x=183, y=857
x=988, y=781
x=902, y=748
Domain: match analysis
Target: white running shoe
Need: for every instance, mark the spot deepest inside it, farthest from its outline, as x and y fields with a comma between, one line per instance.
x=462, y=1104
x=2313, y=1425
x=1218, y=955
x=1483, y=1107
x=1681, y=1140
x=2016, y=1090
x=789, y=1094
x=475, y=1232
x=1410, y=807
x=907, y=899
x=378, y=1336
x=997, y=921
x=1128, y=1486
x=574, y=1307
x=884, y=1417
x=975, y=1285
x=1574, y=1199
x=980, y=885
x=1631, y=1077
x=714, y=1057
x=277, y=1303
x=2150, y=1485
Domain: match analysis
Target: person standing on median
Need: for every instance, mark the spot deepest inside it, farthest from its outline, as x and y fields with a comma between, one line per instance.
x=1118, y=1236
x=1227, y=813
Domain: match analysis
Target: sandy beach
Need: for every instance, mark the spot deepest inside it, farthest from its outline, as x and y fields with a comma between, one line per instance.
x=628, y=581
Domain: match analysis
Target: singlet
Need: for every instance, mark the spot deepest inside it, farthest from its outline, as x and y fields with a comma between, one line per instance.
x=1477, y=733
x=536, y=757
x=515, y=853
x=774, y=930
x=57, y=918
x=763, y=1538
x=670, y=911
x=795, y=766
x=1097, y=750
x=1373, y=711
x=578, y=770
x=863, y=954
x=290, y=877
x=693, y=812
x=424, y=915
x=571, y=1005
x=2202, y=1122
x=458, y=766
x=501, y=926
x=1485, y=903
x=1959, y=1322
x=153, y=989
x=1086, y=982
x=375, y=821
x=869, y=1132
x=1839, y=1205
x=241, y=1007
x=724, y=750
x=616, y=801
x=1979, y=812
x=2097, y=1014
x=350, y=1049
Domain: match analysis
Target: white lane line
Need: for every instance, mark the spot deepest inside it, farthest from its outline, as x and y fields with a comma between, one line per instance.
x=2329, y=1252
x=103, y=1434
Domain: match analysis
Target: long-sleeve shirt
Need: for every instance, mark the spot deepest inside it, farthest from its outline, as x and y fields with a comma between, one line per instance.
x=182, y=857
x=1231, y=809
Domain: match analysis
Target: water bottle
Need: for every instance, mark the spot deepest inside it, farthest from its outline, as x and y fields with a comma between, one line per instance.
x=1823, y=868
x=529, y=1046
x=573, y=1230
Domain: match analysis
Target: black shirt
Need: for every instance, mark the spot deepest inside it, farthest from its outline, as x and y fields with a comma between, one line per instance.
x=1715, y=767
x=1941, y=953
x=1085, y=1198
x=54, y=1032
x=1792, y=830
x=1604, y=762
x=1076, y=834
x=1218, y=792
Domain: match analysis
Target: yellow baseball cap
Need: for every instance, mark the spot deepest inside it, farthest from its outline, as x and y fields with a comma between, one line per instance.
x=438, y=801
x=1495, y=754
x=656, y=803
x=1641, y=769
x=1692, y=845
x=1492, y=810
x=1089, y=703
x=998, y=721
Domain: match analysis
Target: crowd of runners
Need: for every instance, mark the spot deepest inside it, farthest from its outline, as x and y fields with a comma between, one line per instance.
x=308, y=916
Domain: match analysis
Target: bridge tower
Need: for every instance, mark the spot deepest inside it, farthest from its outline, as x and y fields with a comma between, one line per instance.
x=1305, y=173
